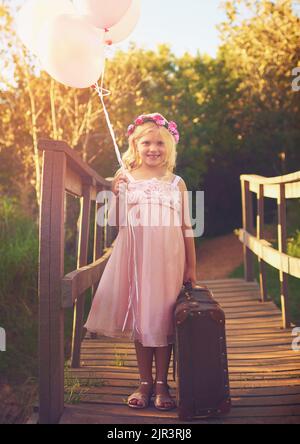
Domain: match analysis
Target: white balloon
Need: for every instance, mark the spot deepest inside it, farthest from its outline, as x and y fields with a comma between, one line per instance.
x=103, y=13
x=33, y=15
x=126, y=25
x=71, y=50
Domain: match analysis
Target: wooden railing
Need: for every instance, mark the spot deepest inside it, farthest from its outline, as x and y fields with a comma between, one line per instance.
x=64, y=172
x=254, y=244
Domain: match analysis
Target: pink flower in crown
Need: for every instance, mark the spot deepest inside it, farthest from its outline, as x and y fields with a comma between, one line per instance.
x=130, y=130
x=173, y=130
x=172, y=126
x=139, y=121
x=159, y=120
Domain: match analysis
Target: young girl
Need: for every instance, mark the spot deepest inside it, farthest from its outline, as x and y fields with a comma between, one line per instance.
x=150, y=261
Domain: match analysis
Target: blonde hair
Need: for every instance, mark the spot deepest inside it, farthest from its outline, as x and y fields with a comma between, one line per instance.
x=131, y=158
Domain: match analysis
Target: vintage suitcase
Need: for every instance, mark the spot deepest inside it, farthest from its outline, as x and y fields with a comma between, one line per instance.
x=200, y=355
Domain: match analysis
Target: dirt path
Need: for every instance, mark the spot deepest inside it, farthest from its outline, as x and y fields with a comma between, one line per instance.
x=218, y=257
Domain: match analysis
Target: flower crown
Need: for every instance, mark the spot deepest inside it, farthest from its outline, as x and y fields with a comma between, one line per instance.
x=159, y=120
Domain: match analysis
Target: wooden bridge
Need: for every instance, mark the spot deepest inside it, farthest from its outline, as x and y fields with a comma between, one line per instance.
x=263, y=366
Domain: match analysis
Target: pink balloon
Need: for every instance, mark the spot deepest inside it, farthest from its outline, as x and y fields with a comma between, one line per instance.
x=103, y=13
x=34, y=13
x=71, y=50
x=126, y=25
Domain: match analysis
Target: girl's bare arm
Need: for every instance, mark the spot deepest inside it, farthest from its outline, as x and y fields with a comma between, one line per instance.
x=189, y=241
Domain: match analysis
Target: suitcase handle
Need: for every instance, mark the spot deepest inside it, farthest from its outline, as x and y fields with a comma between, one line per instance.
x=188, y=285
x=187, y=288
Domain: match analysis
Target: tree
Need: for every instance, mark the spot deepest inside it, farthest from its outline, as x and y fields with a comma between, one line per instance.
x=262, y=50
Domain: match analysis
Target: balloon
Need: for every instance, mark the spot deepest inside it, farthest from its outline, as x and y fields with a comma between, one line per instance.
x=33, y=15
x=127, y=24
x=71, y=50
x=103, y=13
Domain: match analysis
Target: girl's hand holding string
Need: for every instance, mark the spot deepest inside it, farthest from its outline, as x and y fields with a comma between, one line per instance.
x=118, y=182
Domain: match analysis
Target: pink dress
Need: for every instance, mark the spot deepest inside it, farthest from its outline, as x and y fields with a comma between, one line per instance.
x=144, y=274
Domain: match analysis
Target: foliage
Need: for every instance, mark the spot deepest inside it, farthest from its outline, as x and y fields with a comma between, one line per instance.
x=293, y=245
x=237, y=113
x=17, y=403
x=261, y=51
x=18, y=289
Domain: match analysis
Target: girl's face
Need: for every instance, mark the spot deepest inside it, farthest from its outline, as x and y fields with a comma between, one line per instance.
x=152, y=149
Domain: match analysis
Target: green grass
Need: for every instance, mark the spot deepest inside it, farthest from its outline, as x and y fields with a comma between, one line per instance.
x=18, y=291
x=293, y=245
x=75, y=387
x=18, y=312
x=17, y=401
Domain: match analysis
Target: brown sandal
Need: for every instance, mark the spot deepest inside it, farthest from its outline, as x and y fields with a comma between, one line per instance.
x=160, y=400
x=140, y=397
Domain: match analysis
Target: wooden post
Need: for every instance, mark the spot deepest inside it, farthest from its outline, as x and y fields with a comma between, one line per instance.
x=247, y=209
x=81, y=261
x=281, y=201
x=98, y=247
x=260, y=235
x=51, y=271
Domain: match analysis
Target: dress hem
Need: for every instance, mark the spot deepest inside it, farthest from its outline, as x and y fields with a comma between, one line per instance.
x=128, y=335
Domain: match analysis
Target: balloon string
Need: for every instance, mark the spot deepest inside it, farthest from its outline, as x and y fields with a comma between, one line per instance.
x=100, y=90
x=133, y=292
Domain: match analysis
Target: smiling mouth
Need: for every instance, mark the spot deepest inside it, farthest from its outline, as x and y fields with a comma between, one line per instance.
x=153, y=156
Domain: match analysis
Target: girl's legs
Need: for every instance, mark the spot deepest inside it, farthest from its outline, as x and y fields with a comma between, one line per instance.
x=145, y=359
x=162, y=363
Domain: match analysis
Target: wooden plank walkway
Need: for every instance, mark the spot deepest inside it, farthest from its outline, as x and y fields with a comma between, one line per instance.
x=264, y=370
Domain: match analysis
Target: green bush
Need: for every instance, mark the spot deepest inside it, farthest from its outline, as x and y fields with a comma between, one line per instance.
x=293, y=245
x=18, y=290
